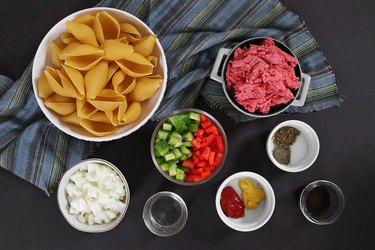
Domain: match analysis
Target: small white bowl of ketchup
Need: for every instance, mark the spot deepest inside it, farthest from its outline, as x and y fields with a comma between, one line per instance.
x=253, y=219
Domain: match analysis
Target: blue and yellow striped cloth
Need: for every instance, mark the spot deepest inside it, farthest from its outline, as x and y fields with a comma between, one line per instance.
x=191, y=33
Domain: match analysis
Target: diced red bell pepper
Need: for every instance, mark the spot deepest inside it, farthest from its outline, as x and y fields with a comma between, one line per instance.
x=206, y=124
x=188, y=163
x=211, y=158
x=197, y=170
x=202, y=164
x=220, y=144
x=197, y=177
x=205, y=174
x=212, y=130
x=205, y=154
x=208, y=141
x=196, y=144
x=203, y=117
x=217, y=161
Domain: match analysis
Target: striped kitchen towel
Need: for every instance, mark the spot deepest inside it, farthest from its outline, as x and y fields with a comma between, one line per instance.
x=191, y=33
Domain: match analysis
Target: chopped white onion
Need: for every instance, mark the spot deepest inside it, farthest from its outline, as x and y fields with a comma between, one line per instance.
x=95, y=194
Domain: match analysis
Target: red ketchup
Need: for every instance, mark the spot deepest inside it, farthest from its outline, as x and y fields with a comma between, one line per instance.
x=231, y=203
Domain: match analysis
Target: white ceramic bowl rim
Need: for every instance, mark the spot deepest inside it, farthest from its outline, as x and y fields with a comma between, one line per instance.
x=315, y=142
x=62, y=201
x=40, y=56
x=267, y=211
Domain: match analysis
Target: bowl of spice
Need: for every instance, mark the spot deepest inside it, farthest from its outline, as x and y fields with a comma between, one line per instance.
x=245, y=201
x=293, y=146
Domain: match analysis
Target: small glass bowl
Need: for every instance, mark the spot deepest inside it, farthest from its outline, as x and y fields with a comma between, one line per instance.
x=165, y=213
x=334, y=208
x=210, y=118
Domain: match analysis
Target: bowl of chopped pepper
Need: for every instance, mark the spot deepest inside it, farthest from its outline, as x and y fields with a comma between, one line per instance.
x=189, y=147
x=293, y=146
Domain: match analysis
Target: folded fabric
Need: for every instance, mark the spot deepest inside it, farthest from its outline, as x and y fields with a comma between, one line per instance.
x=191, y=33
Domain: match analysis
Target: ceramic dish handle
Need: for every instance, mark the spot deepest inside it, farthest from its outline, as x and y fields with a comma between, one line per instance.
x=300, y=101
x=223, y=53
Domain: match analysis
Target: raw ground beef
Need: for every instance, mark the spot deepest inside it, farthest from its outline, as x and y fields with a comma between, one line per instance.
x=261, y=76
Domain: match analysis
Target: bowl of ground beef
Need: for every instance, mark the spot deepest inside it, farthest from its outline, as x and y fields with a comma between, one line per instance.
x=261, y=77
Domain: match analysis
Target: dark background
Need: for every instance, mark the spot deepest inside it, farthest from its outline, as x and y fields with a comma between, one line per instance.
x=345, y=31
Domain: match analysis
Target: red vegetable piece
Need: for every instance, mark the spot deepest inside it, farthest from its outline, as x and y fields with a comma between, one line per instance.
x=212, y=130
x=196, y=144
x=197, y=177
x=188, y=163
x=211, y=158
x=206, y=124
x=202, y=164
x=197, y=170
x=205, y=174
x=220, y=144
x=217, y=161
x=203, y=117
x=206, y=153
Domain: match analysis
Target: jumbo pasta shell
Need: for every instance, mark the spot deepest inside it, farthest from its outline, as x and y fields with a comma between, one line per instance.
x=61, y=104
x=106, y=27
x=116, y=50
x=98, y=128
x=87, y=19
x=133, y=112
x=145, y=46
x=136, y=65
x=82, y=33
x=44, y=90
x=95, y=79
x=107, y=100
x=145, y=88
x=85, y=109
x=122, y=83
x=55, y=83
x=71, y=118
x=130, y=32
x=55, y=51
x=76, y=78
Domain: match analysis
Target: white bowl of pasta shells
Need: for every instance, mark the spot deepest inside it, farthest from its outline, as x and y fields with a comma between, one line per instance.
x=99, y=74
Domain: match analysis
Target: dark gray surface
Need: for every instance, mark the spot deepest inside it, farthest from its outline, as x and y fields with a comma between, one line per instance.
x=344, y=29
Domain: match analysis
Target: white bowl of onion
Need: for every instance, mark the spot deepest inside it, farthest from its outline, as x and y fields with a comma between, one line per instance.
x=93, y=196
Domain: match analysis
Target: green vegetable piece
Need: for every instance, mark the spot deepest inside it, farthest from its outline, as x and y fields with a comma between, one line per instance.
x=180, y=175
x=162, y=147
x=183, y=168
x=163, y=135
x=160, y=160
x=177, y=153
x=195, y=116
x=169, y=157
x=193, y=127
x=185, y=150
x=188, y=136
x=167, y=126
x=174, y=141
x=187, y=144
x=180, y=122
x=183, y=157
x=175, y=134
x=172, y=169
x=165, y=166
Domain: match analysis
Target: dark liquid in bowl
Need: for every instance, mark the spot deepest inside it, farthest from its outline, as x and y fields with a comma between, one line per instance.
x=318, y=201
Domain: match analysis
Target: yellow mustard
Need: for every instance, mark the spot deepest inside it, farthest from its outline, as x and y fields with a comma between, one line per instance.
x=251, y=195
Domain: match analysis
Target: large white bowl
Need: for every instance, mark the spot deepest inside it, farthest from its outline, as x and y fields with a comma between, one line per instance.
x=64, y=206
x=254, y=218
x=43, y=59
